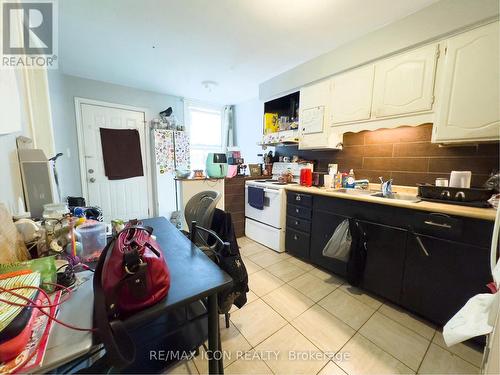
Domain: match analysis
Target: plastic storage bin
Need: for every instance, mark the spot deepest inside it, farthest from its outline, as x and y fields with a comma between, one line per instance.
x=93, y=237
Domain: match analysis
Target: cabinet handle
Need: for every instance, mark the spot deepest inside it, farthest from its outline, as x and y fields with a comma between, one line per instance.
x=298, y=198
x=421, y=244
x=295, y=237
x=443, y=225
x=445, y=194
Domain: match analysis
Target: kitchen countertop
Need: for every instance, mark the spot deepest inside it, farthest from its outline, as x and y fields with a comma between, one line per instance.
x=451, y=209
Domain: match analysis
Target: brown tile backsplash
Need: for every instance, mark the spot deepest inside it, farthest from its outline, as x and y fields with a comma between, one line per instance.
x=405, y=154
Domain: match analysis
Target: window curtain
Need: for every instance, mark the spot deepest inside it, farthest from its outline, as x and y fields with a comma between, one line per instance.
x=228, y=126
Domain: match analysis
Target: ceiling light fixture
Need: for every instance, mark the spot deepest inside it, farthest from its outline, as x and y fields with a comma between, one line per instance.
x=209, y=85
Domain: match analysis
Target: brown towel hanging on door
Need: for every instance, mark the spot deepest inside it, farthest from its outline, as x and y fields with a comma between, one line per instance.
x=121, y=151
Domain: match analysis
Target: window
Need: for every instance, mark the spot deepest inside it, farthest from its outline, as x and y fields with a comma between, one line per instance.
x=204, y=124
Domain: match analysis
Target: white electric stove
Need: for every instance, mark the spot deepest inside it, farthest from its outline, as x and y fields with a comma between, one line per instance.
x=267, y=225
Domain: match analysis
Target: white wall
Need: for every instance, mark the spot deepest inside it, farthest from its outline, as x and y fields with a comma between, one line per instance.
x=433, y=22
x=64, y=88
x=248, y=129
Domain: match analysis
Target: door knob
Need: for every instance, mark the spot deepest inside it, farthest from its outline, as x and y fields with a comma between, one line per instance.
x=92, y=179
x=91, y=171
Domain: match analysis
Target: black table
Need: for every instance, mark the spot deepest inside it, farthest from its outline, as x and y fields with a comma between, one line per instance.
x=193, y=276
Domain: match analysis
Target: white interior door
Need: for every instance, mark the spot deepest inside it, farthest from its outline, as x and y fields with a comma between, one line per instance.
x=119, y=199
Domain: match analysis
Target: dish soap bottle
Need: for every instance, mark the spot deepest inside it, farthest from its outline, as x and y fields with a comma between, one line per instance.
x=350, y=184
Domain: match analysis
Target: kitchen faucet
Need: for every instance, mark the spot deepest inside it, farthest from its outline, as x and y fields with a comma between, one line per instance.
x=386, y=187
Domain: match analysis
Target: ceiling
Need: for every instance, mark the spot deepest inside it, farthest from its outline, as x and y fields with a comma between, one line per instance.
x=171, y=46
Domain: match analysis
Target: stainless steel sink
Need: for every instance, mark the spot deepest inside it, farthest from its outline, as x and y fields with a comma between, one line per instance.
x=353, y=191
x=399, y=196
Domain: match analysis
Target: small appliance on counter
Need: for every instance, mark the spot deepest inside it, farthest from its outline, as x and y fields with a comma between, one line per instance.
x=234, y=158
x=216, y=165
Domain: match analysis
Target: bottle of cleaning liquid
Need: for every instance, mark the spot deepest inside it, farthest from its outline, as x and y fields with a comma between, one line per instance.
x=350, y=184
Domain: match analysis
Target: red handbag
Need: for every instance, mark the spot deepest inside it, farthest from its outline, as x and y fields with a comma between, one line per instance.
x=131, y=275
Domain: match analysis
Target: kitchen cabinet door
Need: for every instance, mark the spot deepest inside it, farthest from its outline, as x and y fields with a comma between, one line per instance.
x=468, y=105
x=439, y=281
x=404, y=84
x=352, y=92
x=314, y=132
x=323, y=226
x=385, y=249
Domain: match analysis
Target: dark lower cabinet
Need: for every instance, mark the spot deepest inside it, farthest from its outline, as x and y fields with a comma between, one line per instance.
x=433, y=277
x=385, y=249
x=323, y=226
x=297, y=243
x=439, y=280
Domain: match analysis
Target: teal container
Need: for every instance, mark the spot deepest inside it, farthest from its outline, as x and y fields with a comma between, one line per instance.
x=216, y=165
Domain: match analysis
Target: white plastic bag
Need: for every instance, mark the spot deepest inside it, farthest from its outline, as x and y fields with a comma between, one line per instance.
x=339, y=245
x=472, y=320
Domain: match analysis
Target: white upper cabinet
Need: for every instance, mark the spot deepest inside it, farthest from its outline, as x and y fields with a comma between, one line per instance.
x=404, y=84
x=468, y=104
x=351, y=98
x=314, y=114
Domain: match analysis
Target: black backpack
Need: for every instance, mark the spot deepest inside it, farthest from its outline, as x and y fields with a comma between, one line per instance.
x=229, y=259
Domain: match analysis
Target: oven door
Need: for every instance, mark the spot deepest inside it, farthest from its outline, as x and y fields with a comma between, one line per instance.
x=274, y=208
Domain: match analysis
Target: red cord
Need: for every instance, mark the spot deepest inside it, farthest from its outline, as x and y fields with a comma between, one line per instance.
x=39, y=307
x=34, y=304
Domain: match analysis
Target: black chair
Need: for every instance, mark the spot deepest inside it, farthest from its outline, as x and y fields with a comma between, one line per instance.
x=202, y=237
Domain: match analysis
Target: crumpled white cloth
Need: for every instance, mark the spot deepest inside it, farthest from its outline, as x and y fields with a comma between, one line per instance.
x=476, y=318
x=472, y=320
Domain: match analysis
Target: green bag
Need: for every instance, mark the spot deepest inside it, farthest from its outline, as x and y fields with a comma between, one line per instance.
x=46, y=266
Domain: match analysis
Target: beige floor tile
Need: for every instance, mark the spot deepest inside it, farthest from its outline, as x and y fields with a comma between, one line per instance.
x=257, y=321
x=331, y=369
x=350, y=310
x=300, y=263
x=184, y=367
x=364, y=357
x=232, y=342
x=242, y=241
x=470, y=354
x=287, y=343
x=266, y=258
x=201, y=361
x=252, y=249
x=323, y=329
x=248, y=364
x=362, y=296
x=285, y=270
x=408, y=320
x=312, y=287
x=397, y=340
x=263, y=282
x=288, y=302
x=251, y=266
x=440, y=361
x=251, y=296
x=327, y=276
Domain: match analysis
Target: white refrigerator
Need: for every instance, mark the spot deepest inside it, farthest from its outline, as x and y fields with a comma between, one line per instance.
x=170, y=152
